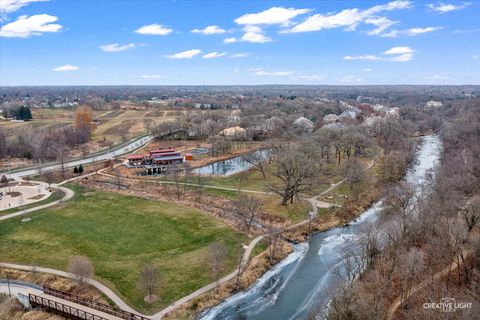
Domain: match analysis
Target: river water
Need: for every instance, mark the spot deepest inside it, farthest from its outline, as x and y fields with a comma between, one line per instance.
x=228, y=167
x=305, y=281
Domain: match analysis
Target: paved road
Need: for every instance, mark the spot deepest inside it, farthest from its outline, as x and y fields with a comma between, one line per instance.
x=15, y=289
x=131, y=146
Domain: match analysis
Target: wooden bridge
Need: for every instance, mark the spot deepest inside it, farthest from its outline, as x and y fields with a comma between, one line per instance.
x=76, y=307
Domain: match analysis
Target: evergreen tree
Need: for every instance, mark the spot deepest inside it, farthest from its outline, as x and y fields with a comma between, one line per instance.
x=75, y=169
x=23, y=113
x=80, y=169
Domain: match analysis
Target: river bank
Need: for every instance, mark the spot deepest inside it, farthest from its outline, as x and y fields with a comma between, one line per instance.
x=290, y=289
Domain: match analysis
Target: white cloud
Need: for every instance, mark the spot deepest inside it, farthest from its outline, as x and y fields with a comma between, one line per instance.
x=350, y=79
x=240, y=55
x=445, y=7
x=152, y=76
x=115, y=47
x=409, y=32
x=213, y=55
x=274, y=15
x=403, y=54
x=367, y=70
x=437, y=78
x=370, y=57
x=381, y=24
x=230, y=40
x=467, y=31
x=154, y=29
x=260, y=72
x=349, y=19
x=8, y=6
x=311, y=77
x=415, y=31
x=188, y=54
x=210, y=30
x=399, y=50
x=397, y=54
x=403, y=57
x=236, y=69
x=25, y=26
x=254, y=34
x=476, y=57
x=66, y=67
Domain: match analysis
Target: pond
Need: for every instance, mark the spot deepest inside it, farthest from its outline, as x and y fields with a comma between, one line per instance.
x=230, y=166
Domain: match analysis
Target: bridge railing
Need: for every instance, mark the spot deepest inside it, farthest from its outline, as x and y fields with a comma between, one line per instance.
x=93, y=304
x=61, y=308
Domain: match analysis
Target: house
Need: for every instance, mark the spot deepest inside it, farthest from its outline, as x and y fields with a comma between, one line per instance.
x=330, y=118
x=161, y=157
x=234, y=132
x=347, y=115
x=304, y=124
x=433, y=104
x=135, y=160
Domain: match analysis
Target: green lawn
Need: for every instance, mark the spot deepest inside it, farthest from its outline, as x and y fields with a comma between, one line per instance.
x=119, y=234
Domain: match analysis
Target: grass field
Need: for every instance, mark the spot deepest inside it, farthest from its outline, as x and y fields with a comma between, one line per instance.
x=119, y=234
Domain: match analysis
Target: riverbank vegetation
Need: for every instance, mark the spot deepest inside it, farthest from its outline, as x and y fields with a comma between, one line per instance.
x=432, y=245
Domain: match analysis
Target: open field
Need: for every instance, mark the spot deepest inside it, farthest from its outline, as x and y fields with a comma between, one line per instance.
x=112, y=126
x=119, y=234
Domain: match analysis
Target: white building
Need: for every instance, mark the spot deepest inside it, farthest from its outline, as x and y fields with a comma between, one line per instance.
x=433, y=104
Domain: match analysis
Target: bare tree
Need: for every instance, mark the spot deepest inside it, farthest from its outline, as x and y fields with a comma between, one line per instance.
x=410, y=268
x=200, y=181
x=272, y=237
x=149, y=282
x=355, y=177
x=61, y=150
x=471, y=213
x=217, y=254
x=174, y=174
x=85, y=150
x=294, y=170
x=48, y=178
x=82, y=269
x=118, y=177
x=246, y=208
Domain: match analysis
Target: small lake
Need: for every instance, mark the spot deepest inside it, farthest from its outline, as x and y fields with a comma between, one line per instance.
x=230, y=166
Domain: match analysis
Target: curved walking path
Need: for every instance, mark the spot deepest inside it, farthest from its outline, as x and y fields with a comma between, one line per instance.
x=68, y=194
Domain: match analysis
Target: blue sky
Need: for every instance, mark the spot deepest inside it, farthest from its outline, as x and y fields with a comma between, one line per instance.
x=109, y=42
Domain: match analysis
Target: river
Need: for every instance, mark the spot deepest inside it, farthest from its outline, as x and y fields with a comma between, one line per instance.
x=304, y=282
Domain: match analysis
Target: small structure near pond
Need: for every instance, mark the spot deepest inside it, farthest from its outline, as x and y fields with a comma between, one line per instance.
x=156, y=161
